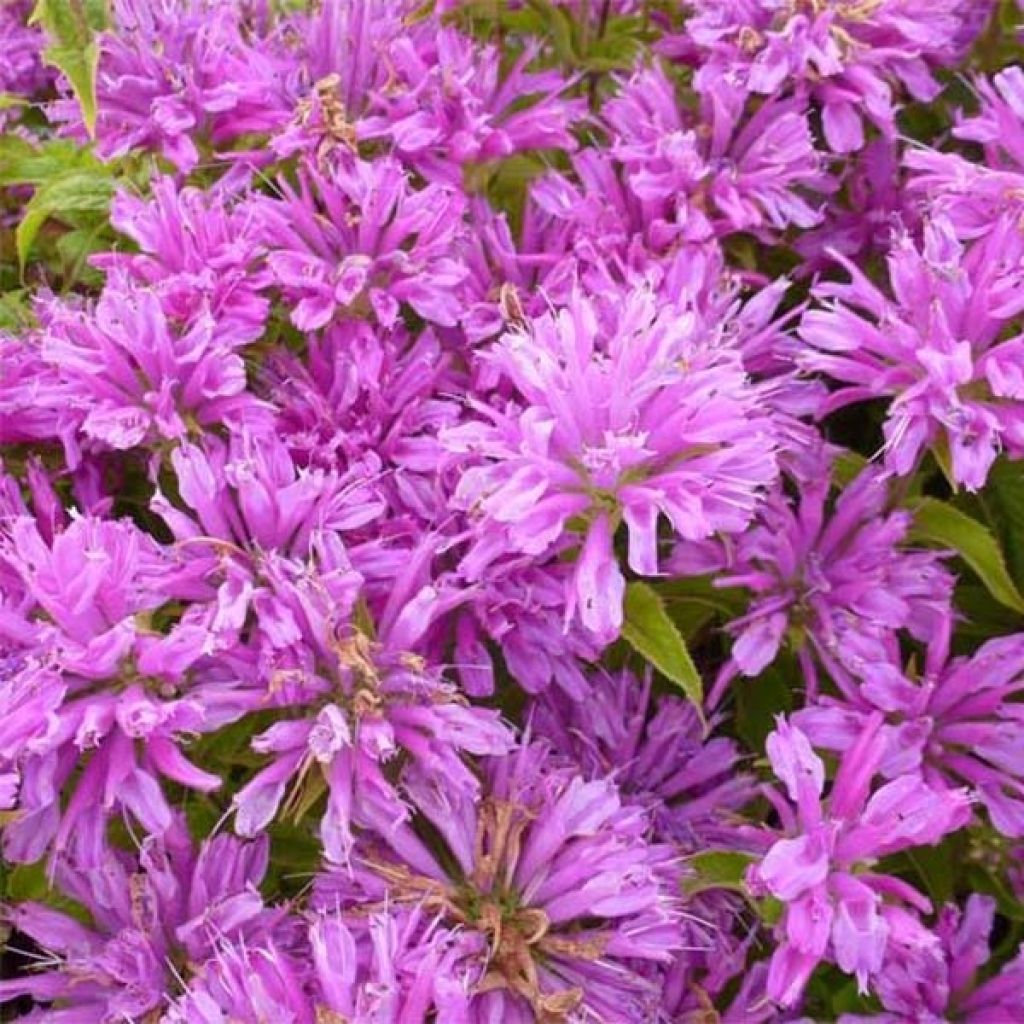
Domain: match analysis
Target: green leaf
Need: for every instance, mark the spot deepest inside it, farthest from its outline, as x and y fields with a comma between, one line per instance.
x=22, y=163
x=72, y=27
x=652, y=634
x=1004, y=496
x=938, y=523
x=717, y=869
x=76, y=191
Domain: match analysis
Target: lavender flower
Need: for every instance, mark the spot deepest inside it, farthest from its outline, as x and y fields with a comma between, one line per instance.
x=553, y=882
x=958, y=722
x=375, y=709
x=656, y=753
x=174, y=73
x=933, y=975
x=834, y=907
x=847, y=54
x=824, y=580
x=937, y=348
x=170, y=905
x=452, y=104
x=133, y=375
x=359, y=241
x=685, y=439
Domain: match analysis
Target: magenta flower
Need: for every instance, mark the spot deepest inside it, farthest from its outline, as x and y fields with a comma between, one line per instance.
x=755, y=176
x=847, y=55
x=825, y=578
x=616, y=420
x=174, y=73
x=358, y=241
x=125, y=709
x=975, y=195
x=450, y=103
x=198, y=252
x=371, y=402
x=937, y=349
x=134, y=376
x=958, y=722
x=374, y=709
x=656, y=753
x=932, y=976
x=834, y=908
x=23, y=76
x=553, y=883
x=170, y=906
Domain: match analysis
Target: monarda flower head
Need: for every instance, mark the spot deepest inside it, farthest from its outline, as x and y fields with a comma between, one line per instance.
x=822, y=577
x=174, y=73
x=451, y=102
x=846, y=54
x=975, y=195
x=655, y=751
x=958, y=721
x=835, y=907
x=374, y=707
x=937, y=349
x=152, y=916
x=23, y=76
x=198, y=252
x=134, y=376
x=558, y=892
x=359, y=240
x=933, y=975
x=125, y=708
x=616, y=419
x=760, y=175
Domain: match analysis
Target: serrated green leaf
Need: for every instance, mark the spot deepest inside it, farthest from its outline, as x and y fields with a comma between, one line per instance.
x=77, y=191
x=649, y=630
x=939, y=523
x=22, y=163
x=72, y=27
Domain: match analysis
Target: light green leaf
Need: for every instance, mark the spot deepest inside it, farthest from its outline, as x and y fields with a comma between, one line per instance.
x=938, y=523
x=717, y=869
x=651, y=633
x=75, y=192
x=72, y=27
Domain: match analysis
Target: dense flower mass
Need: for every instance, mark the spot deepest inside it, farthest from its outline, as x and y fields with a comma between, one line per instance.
x=511, y=513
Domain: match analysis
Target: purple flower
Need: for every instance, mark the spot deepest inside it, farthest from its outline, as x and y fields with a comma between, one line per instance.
x=169, y=906
x=558, y=892
x=958, y=722
x=735, y=176
x=124, y=706
x=373, y=710
x=449, y=102
x=656, y=753
x=847, y=55
x=133, y=376
x=833, y=907
x=23, y=76
x=174, y=73
x=616, y=420
x=371, y=402
x=198, y=252
x=937, y=349
x=358, y=241
x=822, y=579
x=932, y=976
x=976, y=195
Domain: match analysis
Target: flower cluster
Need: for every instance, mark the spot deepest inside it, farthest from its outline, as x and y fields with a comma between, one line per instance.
x=510, y=513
